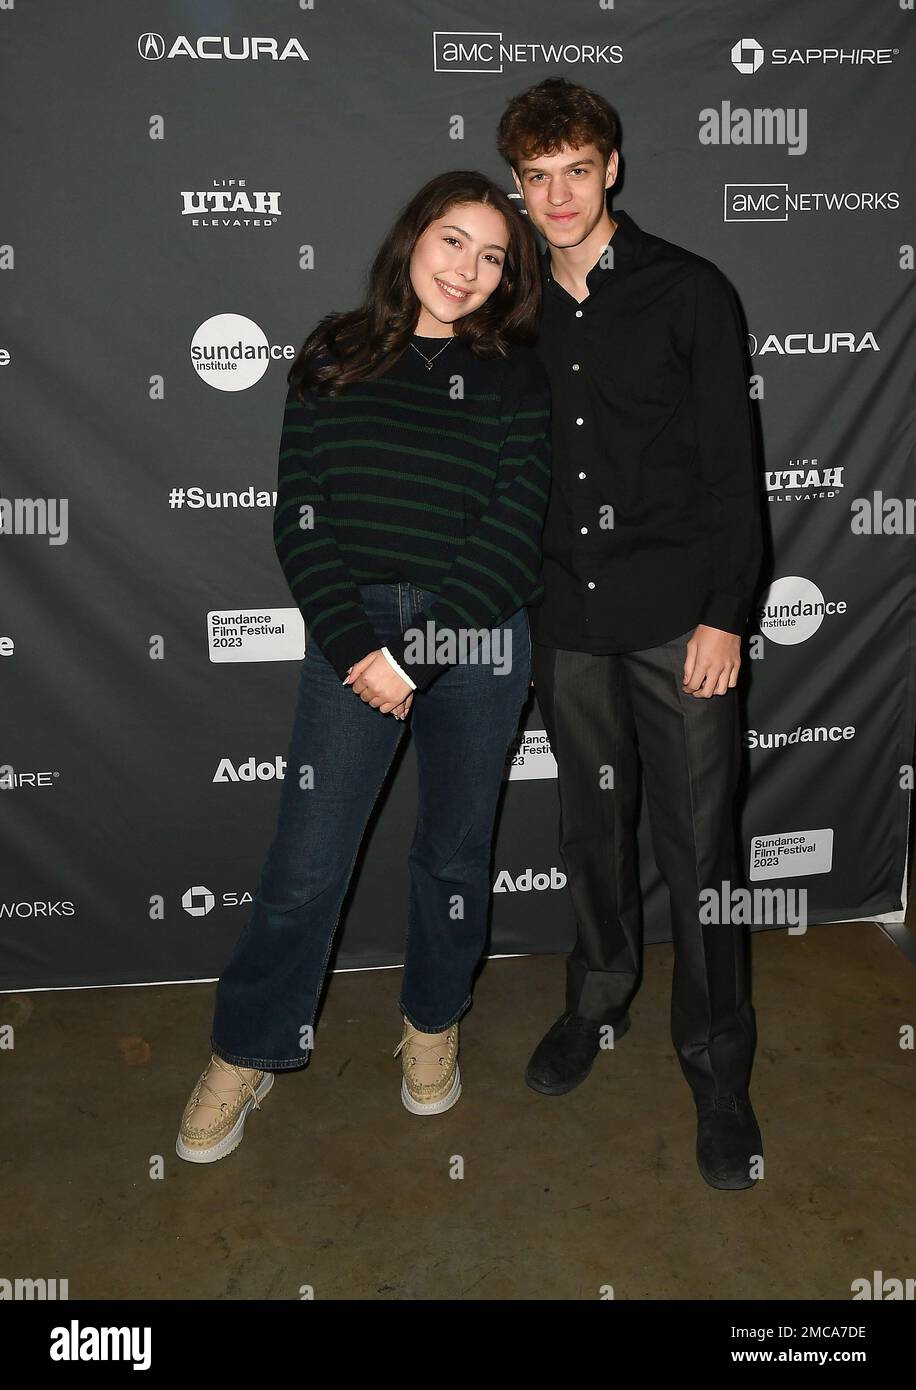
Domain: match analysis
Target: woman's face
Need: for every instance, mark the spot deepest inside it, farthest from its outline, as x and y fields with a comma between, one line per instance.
x=456, y=265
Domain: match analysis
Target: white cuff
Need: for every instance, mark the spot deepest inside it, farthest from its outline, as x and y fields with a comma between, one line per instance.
x=391, y=662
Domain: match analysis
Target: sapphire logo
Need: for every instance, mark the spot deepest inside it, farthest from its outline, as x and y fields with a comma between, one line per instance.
x=197, y=902
x=747, y=55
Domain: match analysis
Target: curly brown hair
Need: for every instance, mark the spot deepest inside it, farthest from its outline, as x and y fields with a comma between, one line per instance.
x=552, y=114
x=364, y=342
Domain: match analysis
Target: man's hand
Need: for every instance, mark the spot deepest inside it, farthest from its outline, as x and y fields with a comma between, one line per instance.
x=713, y=659
x=377, y=683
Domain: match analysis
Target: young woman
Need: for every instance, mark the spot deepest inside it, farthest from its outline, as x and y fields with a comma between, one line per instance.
x=413, y=480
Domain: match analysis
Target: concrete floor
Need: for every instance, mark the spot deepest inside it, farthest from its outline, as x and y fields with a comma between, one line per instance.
x=337, y=1187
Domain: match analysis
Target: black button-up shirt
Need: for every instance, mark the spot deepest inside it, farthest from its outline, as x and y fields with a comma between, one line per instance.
x=653, y=524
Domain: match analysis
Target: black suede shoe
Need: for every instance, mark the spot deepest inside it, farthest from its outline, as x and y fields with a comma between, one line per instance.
x=566, y=1053
x=728, y=1141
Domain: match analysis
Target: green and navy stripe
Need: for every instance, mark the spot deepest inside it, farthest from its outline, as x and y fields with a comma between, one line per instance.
x=406, y=483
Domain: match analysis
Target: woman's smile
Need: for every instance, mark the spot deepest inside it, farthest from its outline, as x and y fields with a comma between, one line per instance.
x=451, y=291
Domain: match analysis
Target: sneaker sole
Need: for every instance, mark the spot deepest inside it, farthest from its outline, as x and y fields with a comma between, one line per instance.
x=229, y=1141
x=435, y=1107
x=545, y=1088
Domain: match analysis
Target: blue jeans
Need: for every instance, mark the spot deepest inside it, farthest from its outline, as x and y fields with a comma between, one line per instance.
x=267, y=998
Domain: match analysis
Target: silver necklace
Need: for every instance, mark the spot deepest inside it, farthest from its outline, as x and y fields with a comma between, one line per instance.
x=430, y=360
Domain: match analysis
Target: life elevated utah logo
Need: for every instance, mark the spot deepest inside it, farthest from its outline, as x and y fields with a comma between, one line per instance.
x=229, y=202
x=748, y=56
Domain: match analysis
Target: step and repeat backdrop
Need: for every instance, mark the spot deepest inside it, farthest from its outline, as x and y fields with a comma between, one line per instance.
x=187, y=188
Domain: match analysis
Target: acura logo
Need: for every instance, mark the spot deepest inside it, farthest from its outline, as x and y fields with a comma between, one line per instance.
x=253, y=47
x=151, y=46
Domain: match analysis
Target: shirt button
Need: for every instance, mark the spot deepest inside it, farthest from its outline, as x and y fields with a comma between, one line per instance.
x=580, y=421
x=591, y=583
x=581, y=475
x=575, y=366
x=578, y=313
x=584, y=530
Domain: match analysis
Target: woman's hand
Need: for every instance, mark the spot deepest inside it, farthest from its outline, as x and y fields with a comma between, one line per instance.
x=377, y=683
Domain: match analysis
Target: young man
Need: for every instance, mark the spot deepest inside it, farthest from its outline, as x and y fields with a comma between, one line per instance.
x=652, y=547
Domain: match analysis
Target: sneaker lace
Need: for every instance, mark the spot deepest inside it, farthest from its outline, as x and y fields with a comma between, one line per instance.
x=224, y=1066
x=425, y=1048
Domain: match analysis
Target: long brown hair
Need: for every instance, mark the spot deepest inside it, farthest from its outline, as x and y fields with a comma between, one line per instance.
x=364, y=342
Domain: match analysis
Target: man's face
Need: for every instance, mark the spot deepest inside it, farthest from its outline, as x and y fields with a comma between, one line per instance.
x=458, y=261
x=564, y=193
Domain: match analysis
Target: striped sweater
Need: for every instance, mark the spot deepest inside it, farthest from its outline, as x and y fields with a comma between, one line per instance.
x=437, y=477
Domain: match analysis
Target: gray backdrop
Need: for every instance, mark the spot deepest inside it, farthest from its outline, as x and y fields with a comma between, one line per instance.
x=162, y=197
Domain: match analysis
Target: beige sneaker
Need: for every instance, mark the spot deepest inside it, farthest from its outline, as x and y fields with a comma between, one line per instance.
x=213, y=1122
x=431, y=1081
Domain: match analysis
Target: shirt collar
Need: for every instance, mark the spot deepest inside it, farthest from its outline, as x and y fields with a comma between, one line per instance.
x=624, y=243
